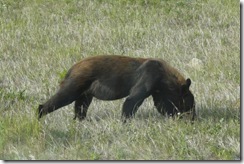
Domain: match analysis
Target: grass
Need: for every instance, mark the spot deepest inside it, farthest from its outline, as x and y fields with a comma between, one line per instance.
x=40, y=40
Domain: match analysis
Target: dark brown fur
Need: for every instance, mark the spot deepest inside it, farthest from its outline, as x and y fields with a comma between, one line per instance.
x=115, y=77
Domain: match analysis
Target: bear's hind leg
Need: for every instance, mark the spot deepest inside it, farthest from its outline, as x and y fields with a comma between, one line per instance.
x=68, y=92
x=81, y=106
x=60, y=99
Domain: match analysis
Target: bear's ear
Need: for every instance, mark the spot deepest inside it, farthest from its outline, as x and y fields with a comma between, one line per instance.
x=185, y=87
x=188, y=83
x=40, y=111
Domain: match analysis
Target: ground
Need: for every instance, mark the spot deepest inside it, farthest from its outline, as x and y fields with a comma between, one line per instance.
x=40, y=40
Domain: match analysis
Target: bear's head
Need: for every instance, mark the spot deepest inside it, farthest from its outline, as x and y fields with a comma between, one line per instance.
x=186, y=100
x=176, y=101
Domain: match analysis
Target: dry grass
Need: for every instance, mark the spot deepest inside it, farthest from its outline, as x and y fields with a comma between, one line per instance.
x=40, y=40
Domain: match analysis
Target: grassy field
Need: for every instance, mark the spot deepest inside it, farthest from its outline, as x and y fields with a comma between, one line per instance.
x=40, y=40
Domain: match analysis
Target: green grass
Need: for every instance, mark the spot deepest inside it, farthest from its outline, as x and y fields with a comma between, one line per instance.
x=40, y=40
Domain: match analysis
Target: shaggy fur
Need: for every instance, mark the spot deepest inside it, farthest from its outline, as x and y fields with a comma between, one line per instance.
x=115, y=77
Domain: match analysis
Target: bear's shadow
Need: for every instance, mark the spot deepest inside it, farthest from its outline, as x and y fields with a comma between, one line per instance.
x=216, y=114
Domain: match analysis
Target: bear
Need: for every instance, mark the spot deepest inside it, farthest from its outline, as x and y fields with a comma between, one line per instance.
x=112, y=77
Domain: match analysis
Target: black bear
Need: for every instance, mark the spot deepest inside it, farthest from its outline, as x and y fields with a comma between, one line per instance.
x=111, y=77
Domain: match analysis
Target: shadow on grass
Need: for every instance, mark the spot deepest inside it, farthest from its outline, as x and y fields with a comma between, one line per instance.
x=203, y=113
x=59, y=137
x=216, y=114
